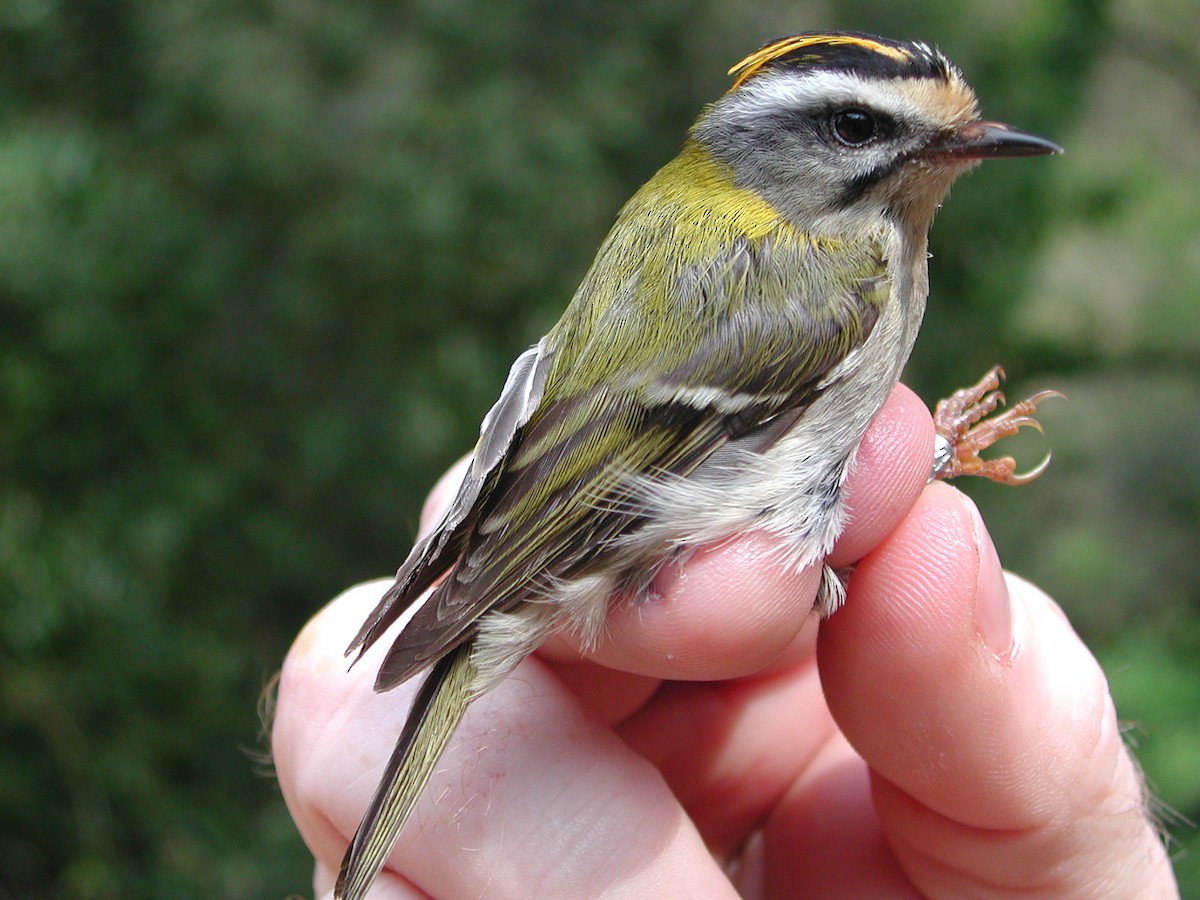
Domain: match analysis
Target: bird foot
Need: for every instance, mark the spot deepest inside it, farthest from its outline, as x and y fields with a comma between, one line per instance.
x=964, y=429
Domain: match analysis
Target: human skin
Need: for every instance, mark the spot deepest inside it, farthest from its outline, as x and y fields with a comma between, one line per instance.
x=945, y=734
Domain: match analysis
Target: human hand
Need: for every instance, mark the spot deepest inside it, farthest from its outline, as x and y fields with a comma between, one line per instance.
x=945, y=734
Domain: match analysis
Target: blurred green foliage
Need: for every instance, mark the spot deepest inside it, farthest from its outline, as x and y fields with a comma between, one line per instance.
x=263, y=266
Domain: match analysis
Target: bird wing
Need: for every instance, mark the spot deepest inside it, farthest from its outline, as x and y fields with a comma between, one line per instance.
x=434, y=553
x=654, y=380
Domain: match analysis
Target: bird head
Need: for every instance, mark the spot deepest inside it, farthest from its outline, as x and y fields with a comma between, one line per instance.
x=839, y=131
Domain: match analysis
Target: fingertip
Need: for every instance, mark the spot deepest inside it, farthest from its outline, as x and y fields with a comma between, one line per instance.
x=731, y=610
x=901, y=591
x=890, y=469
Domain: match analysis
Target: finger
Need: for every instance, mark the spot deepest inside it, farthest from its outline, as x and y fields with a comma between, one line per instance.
x=730, y=749
x=734, y=607
x=890, y=470
x=731, y=610
x=825, y=835
x=610, y=695
x=388, y=886
x=997, y=758
x=533, y=796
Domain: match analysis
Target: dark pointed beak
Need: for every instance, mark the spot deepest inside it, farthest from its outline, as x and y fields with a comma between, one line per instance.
x=985, y=140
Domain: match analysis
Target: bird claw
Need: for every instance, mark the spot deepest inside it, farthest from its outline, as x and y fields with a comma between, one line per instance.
x=964, y=429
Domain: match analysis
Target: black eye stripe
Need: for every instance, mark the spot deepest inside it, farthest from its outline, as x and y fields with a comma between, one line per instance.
x=855, y=188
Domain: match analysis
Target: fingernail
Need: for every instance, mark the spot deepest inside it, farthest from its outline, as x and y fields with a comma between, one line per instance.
x=993, y=606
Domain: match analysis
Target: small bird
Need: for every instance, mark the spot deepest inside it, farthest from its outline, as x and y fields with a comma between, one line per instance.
x=745, y=318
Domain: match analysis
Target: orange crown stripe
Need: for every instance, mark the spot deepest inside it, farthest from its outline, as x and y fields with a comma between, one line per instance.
x=782, y=47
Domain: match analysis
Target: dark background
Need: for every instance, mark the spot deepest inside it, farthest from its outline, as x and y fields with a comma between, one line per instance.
x=263, y=266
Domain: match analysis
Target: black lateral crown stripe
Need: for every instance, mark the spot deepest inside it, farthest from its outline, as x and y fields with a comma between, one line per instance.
x=864, y=54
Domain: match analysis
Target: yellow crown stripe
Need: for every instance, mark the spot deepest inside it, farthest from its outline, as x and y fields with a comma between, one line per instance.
x=782, y=47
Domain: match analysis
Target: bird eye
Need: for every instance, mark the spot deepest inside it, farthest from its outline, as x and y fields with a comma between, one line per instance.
x=854, y=127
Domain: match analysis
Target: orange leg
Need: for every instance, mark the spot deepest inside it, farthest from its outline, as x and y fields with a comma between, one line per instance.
x=964, y=429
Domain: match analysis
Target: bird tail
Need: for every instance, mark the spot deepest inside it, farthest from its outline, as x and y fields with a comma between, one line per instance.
x=435, y=714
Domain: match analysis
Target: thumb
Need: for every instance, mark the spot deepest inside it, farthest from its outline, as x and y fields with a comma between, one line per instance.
x=996, y=757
